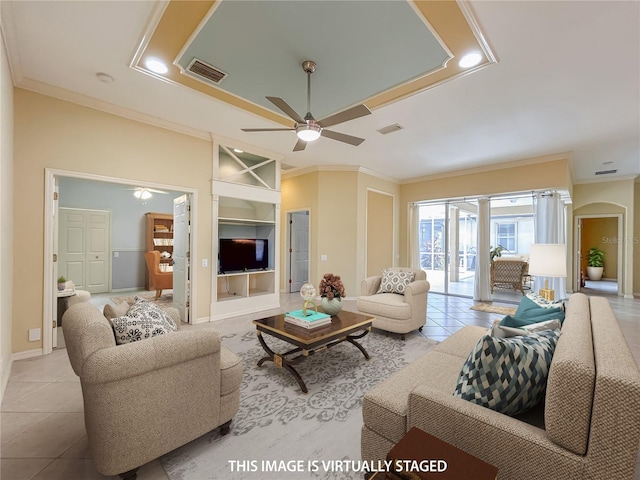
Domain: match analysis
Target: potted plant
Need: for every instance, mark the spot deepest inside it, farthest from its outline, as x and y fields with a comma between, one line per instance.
x=332, y=291
x=495, y=252
x=61, y=282
x=595, y=263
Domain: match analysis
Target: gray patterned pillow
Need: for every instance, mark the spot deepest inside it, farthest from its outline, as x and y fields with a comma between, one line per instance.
x=144, y=319
x=394, y=281
x=508, y=375
x=543, y=302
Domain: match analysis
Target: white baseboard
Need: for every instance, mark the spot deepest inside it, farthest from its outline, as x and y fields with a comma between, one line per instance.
x=37, y=352
x=202, y=320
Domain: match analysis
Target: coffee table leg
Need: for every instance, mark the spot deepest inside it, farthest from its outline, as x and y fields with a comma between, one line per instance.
x=352, y=339
x=280, y=361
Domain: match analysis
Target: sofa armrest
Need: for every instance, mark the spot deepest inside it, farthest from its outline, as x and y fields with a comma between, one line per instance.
x=498, y=439
x=137, y=358
x=371, y=285
x=417, y=287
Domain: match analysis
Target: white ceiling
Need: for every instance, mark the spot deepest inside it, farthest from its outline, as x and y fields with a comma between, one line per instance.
x=567, y=80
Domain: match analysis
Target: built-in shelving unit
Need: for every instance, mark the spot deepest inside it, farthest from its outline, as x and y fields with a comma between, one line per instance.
x=246, y=205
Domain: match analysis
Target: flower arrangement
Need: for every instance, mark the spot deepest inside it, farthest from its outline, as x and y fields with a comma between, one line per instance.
x=331, y=286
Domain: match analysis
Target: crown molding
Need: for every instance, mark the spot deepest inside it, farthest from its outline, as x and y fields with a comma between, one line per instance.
x=491, y=168
x=296, y=172
x=606, y=178
x=96, y=104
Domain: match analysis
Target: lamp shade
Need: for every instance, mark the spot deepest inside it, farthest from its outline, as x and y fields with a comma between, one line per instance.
x=548, y=260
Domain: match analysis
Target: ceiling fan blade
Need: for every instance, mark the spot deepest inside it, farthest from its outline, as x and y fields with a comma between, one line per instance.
x=299, y=146
x=268, y=129
x=342, y=137
x=284, y=106
x=344, y=116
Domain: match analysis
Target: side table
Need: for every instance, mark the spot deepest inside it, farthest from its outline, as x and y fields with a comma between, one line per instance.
x=413, y=452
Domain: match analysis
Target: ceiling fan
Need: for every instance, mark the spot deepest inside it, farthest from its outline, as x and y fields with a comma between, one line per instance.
x=308, y=128
x=144, y=193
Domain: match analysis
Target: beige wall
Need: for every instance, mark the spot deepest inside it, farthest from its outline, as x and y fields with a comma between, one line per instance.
x=379, y=239
x=51, y=133
x=6, y=217
x=534, y=176
x=612, y=197
x=337, y=203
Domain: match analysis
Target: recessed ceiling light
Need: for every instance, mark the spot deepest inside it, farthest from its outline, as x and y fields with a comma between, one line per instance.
x=470, y=60
x=156, y=65
x=237, y=150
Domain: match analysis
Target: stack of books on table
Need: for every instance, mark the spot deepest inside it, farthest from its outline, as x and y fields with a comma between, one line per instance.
x=312, y=319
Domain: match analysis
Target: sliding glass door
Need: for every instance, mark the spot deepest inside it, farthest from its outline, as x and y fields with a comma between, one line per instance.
x=447, y=238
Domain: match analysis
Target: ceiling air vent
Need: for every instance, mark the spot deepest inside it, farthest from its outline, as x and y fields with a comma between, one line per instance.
x=206, y=71
x=285, y=167
x=390, y=129
x=606, y=172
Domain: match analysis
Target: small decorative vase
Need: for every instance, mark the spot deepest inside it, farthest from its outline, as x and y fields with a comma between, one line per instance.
x=331, y=306
x=61, y=286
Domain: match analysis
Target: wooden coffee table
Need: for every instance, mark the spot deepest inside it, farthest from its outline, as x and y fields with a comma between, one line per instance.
x=343, y=328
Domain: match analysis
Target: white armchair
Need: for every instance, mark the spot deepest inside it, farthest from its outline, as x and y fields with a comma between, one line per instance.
x=396, y=312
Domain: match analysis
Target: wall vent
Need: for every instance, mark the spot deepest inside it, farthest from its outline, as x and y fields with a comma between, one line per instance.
x=206, y=71
x=606, y=172
x=390, y=129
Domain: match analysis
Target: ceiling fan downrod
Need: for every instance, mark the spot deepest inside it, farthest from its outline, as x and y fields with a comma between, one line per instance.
x=309, y=66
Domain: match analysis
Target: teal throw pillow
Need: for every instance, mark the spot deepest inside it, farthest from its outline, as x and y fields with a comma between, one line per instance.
x=508, y=375
x=530, y=309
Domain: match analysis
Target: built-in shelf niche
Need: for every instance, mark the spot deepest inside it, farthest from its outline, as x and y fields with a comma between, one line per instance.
x=246, y=168
x=246, y=204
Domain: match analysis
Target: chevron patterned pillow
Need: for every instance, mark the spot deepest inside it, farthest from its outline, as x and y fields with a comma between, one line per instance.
x=508, y=375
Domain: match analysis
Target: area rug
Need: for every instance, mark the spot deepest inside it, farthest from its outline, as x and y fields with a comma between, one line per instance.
x=279, y=432
x=484, y=307
x=165, y=300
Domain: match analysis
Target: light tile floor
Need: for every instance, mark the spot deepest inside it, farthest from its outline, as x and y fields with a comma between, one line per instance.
x=43, y=436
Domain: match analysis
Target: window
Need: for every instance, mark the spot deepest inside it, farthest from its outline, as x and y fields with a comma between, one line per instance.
x=506, y=235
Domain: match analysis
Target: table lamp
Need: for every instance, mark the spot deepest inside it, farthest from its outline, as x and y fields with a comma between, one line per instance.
x=548, y=260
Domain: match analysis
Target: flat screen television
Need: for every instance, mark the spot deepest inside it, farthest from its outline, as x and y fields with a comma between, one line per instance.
x=240, y=254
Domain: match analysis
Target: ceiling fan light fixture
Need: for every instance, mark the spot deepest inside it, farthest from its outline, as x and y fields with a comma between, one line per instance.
x=142, y=194
x=308, y=133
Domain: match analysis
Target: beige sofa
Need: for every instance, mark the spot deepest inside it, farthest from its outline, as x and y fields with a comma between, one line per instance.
x=588, y=427
x=146, y=398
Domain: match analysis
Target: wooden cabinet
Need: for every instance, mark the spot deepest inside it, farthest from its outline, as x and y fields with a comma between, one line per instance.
x=159, y=236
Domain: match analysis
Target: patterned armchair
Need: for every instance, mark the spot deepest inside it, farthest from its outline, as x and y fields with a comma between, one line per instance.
x=508, y=273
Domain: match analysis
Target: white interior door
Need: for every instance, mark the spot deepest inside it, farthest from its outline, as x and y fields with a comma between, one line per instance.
x=298, y=250
x=181, y=256
x=84, y=245
x=98, y=246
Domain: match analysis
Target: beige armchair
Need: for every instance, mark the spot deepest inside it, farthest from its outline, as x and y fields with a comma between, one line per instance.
x=394, y=312
x=145, y=398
